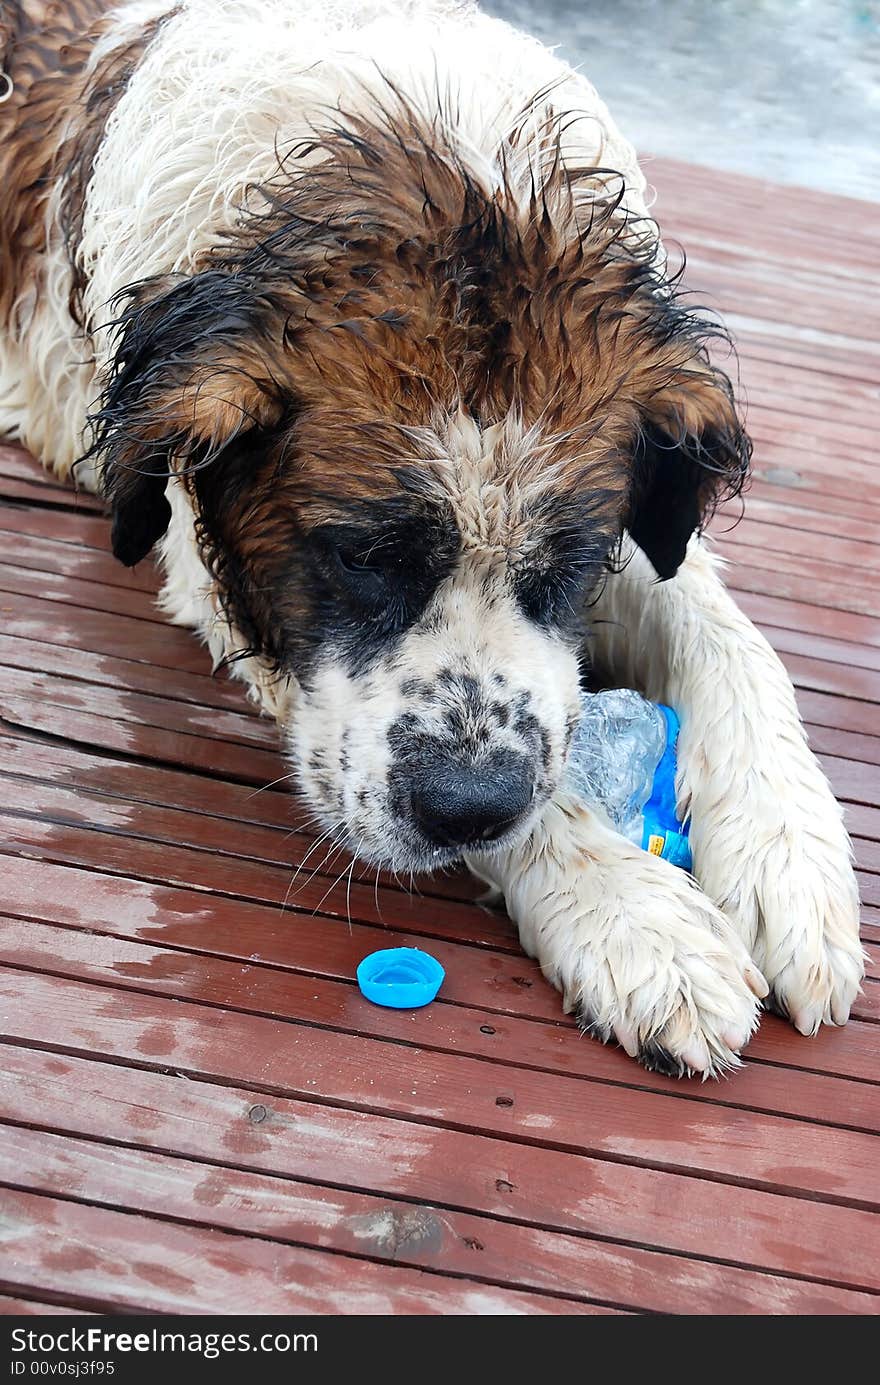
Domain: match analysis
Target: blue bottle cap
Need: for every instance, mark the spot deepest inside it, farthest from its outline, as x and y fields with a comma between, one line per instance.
x=401, y=978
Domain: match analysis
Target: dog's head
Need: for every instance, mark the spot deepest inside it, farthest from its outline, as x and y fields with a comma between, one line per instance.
x=415, y=410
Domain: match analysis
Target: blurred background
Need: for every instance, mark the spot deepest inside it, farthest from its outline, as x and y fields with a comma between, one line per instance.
x=783, y=89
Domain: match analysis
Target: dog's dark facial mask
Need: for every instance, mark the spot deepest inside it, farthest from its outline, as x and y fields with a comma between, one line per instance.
x=436, y=715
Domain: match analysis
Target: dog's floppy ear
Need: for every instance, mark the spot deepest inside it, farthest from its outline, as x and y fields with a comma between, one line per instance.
x=191, y=370
x=691, y=452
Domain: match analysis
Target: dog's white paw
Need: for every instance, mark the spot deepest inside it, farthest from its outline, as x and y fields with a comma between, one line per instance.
x=796, y=899
x=771, y=850
x=669, y=979
x=639, y=953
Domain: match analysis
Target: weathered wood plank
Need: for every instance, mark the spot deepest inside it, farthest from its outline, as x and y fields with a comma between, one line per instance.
x=34, y=1307
x=123, y=1260
x=444, y=1240
x=450, y=1026
x=376, y=1075
x=454, y=1170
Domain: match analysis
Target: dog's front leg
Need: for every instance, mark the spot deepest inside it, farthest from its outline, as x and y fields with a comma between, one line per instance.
x=639, y=953
x=768, y=838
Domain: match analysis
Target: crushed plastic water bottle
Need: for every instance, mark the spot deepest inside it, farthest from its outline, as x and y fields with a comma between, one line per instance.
x=623, y=758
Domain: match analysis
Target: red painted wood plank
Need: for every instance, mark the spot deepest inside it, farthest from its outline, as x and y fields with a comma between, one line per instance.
x=869, y=1003
x=789, y=280
x=855, y=782
x=806, y=397
x=832, y=583
x=732, y=214
x=348, y=899
x=781, y=299
x=15, y=462
x=825, y=709
x=869, y=887
x=771, y=480
x=73, y=591
x=361, y=1224
x=847, y=558
x=101, y=632
x=797, y=614
x=768, y=343
x=146, y=783
x=30, y=492
x=198, y=821
x=844, y=442
x=200, y=817
x=259, y=766
x=450, y=1025
x=293, y=1059
x=123, y=705
x=695, y=226
x=777, y=462
x=83, y=530
x=842, y=679
x=831, y=596
x=85, y=564
x=720, y=191
x=201, y=821
x=106, y=670
x=773, y=243
x=242, y=879
x=867, y=854
x=128, y=1261
x=451, y=1169
x=33, y=1307
x=843, y=439
x=88, y=895
x=249, y=763
x=779, y=435
x=771, y=512
x=849, y=745
x=22, y=477
x=509, y=984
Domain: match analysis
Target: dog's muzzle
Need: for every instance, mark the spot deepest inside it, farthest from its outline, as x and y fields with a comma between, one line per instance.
x=458, y=804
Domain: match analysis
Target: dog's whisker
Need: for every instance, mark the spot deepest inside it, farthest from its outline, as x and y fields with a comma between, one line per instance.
x=348, y=894
x=282, y=779
x=337, y=881
x=330, y=832
x=333, y=851
x=376, y=896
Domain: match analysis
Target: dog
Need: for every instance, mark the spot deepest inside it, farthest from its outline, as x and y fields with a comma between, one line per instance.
x=356, y=314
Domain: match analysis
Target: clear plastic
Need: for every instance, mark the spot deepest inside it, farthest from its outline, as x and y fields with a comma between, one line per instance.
x=614, y=755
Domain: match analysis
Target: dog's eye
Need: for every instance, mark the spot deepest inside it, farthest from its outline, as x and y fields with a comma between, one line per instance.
x=364, y=560
x=356, y=563
x=351, y=560
x=556, y=597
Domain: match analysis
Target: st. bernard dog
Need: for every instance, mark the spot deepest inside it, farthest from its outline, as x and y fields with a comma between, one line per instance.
x=356, y=314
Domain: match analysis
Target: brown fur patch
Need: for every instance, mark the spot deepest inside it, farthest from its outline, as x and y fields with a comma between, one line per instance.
x=52, y=127
x=398, y=289
x=334, y=336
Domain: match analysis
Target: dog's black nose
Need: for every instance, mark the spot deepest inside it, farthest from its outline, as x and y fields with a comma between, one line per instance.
x=463, y=805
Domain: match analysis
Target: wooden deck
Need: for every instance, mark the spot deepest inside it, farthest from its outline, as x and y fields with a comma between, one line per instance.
x=201, y=1114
